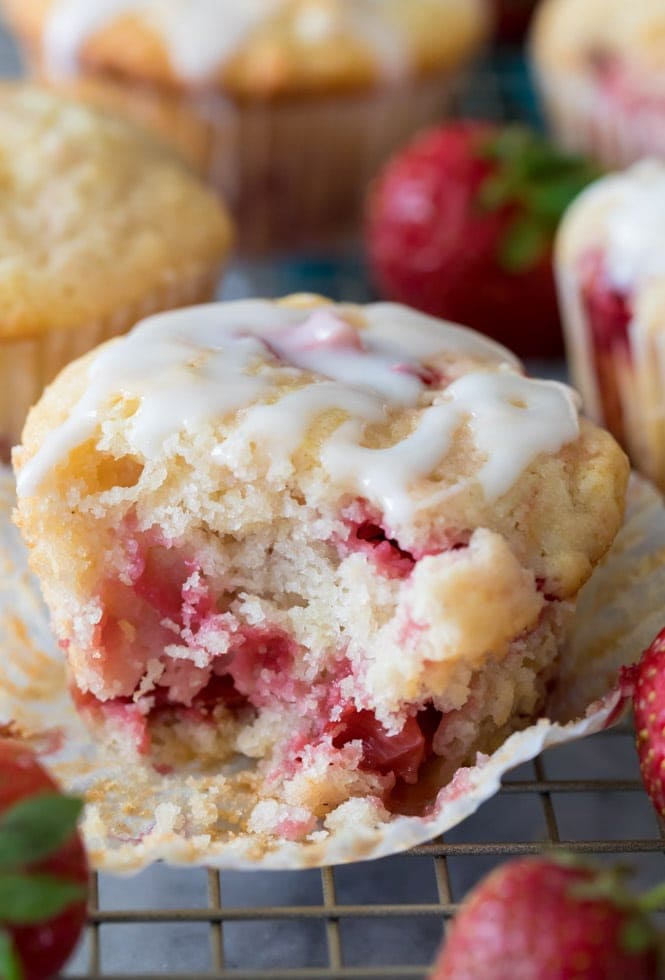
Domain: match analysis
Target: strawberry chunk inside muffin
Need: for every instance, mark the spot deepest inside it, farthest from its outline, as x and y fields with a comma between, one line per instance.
x=333, y=548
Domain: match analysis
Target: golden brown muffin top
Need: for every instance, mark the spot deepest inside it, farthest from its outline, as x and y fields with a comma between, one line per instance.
x=433, y=425
x=254, y=48
x=94, y=215
x=570, y=33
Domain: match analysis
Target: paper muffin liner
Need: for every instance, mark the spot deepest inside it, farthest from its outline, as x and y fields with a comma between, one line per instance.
x=622, y=390
x=28, y=365
x=192, y=817
x=584, y=120
x=293, y=171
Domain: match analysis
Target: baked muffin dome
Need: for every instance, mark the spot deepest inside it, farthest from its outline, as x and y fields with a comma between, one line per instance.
x=287, y=107
x=351, y=537
x=266, y=48
x=98, y=226
x=601, y=65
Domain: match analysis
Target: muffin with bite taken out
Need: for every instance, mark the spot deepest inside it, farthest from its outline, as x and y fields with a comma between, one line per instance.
x=343, y=542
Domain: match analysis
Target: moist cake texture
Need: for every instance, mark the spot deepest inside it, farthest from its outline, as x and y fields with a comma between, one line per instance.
x=343, y=542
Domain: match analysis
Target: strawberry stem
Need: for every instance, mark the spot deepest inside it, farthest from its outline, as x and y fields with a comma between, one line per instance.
x=10, y=965
x=538, y=182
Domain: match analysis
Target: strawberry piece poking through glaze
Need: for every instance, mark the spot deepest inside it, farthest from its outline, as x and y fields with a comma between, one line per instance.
x=322, y=330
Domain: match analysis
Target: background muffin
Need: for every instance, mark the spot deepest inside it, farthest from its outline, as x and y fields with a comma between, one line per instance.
x=601, y=68
x=288, y=106
x=98, y=226
x=611, y=273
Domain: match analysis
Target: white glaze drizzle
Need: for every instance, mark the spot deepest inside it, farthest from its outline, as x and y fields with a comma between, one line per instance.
x=191, y=367
x=201, y=35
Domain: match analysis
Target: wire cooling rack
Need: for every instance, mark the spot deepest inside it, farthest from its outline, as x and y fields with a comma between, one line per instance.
x=382, y=919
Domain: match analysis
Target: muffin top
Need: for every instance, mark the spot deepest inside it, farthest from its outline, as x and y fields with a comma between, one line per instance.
x=432, y=427
x=586, y=33
x=621, y=220
x=259, y=48
x=93, y=215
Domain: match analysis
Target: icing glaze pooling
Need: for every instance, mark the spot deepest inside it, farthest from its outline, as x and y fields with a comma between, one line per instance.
x=207, y=362
x=201, y=35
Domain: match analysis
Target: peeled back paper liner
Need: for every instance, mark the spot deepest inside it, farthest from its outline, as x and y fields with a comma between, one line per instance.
x=135, y=815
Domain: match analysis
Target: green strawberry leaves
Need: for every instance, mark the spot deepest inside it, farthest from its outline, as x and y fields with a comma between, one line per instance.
x=638, y=934
x=10, y=965
x=32, y=830
x=523, y=244
x=29, y=898
x=36, y=827
x=539, y=182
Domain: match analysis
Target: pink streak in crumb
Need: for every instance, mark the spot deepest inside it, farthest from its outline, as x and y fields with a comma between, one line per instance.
x=411, y=630
x=261, y=662
x=369, y=535
x=366, y=536
x=389, y=559
x=121, y=713
x=460, y=785
x=294, y=828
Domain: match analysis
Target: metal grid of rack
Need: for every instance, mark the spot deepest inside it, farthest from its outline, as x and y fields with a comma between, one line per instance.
x=376, y=920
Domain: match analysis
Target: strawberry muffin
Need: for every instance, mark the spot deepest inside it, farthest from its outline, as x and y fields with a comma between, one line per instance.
x=601, y=69
x=341, y=544
x=287, y=106
x=611, y=272
x=99, y=226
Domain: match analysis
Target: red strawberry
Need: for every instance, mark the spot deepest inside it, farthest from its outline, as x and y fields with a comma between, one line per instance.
x=461, y=225
x=648, y=680
x=539, y=919
x=43, y=869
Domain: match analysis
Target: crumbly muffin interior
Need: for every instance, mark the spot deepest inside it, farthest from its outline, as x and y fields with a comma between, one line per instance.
x=225, y=598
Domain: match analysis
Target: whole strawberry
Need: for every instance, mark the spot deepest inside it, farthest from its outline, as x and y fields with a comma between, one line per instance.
x=461, y=225
x=648, y=680
x=538, y=919
x=43, y=869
